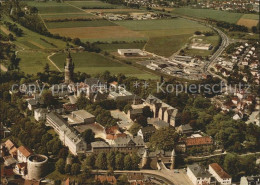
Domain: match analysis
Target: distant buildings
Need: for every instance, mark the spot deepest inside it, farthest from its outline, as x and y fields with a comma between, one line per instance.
x=201, y=46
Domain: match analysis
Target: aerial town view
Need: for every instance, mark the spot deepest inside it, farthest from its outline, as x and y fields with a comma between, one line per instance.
x=129, y=92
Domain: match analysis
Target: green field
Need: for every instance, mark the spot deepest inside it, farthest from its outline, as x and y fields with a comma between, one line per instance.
x=92, y=63
x=53, y=7
x=162, y=24
x=73, y=24
x=115, y=47
x=165, y=36
x=67, y=15
x=251, y=16
x=93, y=4
x=208, y=13
x=33, y=62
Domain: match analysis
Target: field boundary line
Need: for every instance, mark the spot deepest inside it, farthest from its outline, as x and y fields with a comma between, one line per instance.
x=49, y=58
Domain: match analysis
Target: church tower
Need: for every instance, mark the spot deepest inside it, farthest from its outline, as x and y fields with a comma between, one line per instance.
x=69, y=69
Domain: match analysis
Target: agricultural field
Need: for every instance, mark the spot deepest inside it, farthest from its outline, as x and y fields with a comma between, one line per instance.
x=165, y=36
x=74, y=24
x=67, y=16
x=113, y=47
x=209, y=13
x=248, y=20
x=53, y=7
x=103, y=33
x=93, y=5
x=93, y=63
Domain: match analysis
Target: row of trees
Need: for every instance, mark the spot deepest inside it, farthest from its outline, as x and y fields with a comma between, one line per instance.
x=14, y=28
x=112, y=160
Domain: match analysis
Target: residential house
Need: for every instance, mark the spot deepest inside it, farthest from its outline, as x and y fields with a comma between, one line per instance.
x=113, y=133
x=40, y=114
x=198, y=174
x=23, y=153
x=21, y=169
x=220, y=175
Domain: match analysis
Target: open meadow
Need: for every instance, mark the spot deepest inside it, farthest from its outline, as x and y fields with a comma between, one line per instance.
x=249, y=20
x=92, y=63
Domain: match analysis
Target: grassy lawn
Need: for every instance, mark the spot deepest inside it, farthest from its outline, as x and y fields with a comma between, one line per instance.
x=72, y=24
x=93, y=4
x=126, y=39
x=33, y=62
x=208, y=13
x=53, y=7
x=93, y=63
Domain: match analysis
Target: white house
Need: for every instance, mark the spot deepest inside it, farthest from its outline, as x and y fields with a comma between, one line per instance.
x=220, y=175
x=198, y=175
x=40, y=114
x=23, y=154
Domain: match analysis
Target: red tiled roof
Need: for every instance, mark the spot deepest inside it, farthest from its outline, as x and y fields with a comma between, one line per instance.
x=6, y=172
x=220, y=171
x=25, y=151
x=104, y=178
x=13, y=151
x=67, y=182
x=206, y=140
x=31, y=182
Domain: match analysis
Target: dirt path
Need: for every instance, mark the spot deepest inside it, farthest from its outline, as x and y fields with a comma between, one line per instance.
x=49, y=58
x=6, y=31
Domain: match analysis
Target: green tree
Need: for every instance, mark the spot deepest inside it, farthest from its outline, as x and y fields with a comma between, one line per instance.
x=135, y=161
x=135, y=128
x=60, y=165
x=82, y=102
x=231, y=164
x=48, y=99
x=88, y=135
x=111, y=160
x=119, y=161
x=75, y=169
x=101, y=161
x=47, y=68
x=128, y=162
x=89, y=162
x=164, y=139
x=68, y=168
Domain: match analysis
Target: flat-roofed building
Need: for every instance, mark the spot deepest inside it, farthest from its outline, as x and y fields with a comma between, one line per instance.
x=131, y=52
x=81, y=117
x=220, y=175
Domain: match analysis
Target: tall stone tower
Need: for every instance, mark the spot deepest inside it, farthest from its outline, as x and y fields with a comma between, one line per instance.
x=69, y=69
x=173, y=155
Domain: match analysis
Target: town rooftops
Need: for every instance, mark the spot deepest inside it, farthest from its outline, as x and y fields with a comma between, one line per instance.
x=82, y=114
x=199, y=171
x=221, y=173
x=148, y=129
x=135, y=176
x=99, y=144
x=41, y=110
x=158, y=123
x=206, y=140
x=25, y=151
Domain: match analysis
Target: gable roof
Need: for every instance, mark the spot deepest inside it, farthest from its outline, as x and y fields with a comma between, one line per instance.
x=105, y=178
x=25, y=151
x=221, y=173
x=199, y=171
